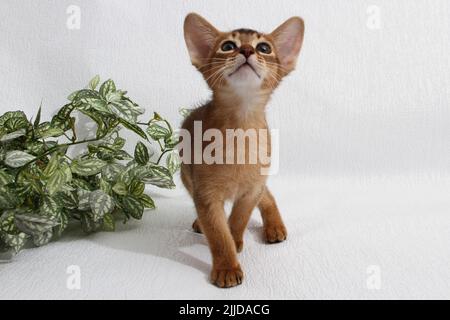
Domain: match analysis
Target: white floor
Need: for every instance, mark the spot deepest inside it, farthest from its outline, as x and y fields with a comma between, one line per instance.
x=345, y=239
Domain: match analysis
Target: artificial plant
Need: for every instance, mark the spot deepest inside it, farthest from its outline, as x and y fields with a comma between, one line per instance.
x=43, y=187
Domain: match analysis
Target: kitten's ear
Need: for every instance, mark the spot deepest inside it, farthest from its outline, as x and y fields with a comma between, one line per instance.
x=288, y=39
x=200, y=37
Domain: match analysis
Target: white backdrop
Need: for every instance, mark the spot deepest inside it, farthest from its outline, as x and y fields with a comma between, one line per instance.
x=363, y=103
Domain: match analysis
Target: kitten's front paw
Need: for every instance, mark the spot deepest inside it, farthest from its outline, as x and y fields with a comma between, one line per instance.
x=275, y=233
x=228, y=277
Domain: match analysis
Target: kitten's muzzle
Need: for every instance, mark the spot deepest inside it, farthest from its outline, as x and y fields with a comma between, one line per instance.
x=246, y=50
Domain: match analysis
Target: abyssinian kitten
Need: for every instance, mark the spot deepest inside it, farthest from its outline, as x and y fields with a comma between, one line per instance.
x=242, y=68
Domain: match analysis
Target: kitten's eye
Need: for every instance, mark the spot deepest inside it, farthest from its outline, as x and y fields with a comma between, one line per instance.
x=264, y=48
x=228, y=46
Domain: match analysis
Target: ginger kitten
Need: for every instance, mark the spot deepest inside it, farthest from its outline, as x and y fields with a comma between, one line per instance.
x=242, y=68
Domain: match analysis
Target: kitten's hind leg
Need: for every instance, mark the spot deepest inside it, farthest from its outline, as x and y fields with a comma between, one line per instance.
x=274, y=228
x=187, y=182
x=240, y=215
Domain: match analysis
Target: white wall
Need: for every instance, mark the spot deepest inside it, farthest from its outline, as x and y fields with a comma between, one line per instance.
x=362, y=102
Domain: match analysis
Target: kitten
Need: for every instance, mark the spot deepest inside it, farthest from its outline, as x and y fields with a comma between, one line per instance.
x=242, y=68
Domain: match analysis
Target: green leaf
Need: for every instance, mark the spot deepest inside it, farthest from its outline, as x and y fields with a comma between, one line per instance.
x=109, y=224
x=141, y=154
x=97, y=104
x=7, y=222
x=94, y=82
x=107, y=87
x=133, y=127
x=13, y=135
x=88, y=224
x=157, y=132
x=64, y=222
x=67, y=199
x=115, y=96
x=119, y=143
x=15, y=241
x=172, y=141
x=111, y=171
x=105, y=186
x=34, y=224
x=5, y=178
x=157, y=176
x=17, y=158
x=133, y=207
x=43, y=238
x=59, y=178
x=52, y=165
x=173, y=162
x=87, y=167
x=38, y=117
x=47, y=129
x=100, y=204
x=50, y=208
x=86, y=94
x=14, y=120
x=122, y=155
x=120, y=188
x=147, y=201
x=83, y=199
x=8, y=200
x=122, y=110
x=137, y=187
x=82, y=184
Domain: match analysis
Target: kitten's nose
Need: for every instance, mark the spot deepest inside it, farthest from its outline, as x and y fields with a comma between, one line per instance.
x=247, y=50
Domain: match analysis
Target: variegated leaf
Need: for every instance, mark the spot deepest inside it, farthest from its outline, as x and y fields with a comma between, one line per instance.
x=100, y=204
x=157, y=132
x=141, y=154
x=111, y=171
x=157, y=176
x=83, y=199
x=87, y=167
x=120, y=188
x=109, y=224
x=15, y=241
x=17, y=158
x=13, y=135
x=94, y=82
x=50, y=208
x=147, y=201
x=173, y=162
x=67, y=199
x=133, y=207
x=43, y=238
x=33, y=223
x=5, y=178
x=107, y=87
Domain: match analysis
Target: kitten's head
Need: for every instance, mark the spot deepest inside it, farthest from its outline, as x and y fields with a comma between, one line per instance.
x=243, y=58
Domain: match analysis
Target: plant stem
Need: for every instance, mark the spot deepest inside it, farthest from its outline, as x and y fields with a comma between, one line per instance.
x=162, y=154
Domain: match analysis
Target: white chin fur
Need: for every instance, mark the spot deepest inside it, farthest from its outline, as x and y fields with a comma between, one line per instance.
x=244, y=76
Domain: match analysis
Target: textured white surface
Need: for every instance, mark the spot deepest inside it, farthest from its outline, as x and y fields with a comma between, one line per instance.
x=337, y=230
x=365, y=150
